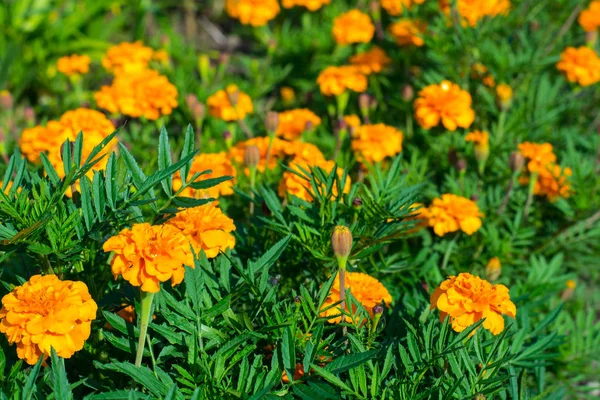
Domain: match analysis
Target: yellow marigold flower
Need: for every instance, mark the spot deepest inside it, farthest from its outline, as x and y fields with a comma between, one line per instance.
x=161, y=55
x=300, y=186
x=478, y=71
x=287, y=94
x=451, y=213
x=237, y=152
x=127, y=58
x=472, y=11
x=353, y=26
x=142, y=94
x=373, y=143
x=73, y=64
x=445, y=102
x=352, y=120
x=489, y=81
x=367, y=290
x=571, y=284
x=493, y=269
x=302, y=151
x=481, y=140
x=206, y=227
x=466, y=299
x=230, y=104
x=252, y=12
x=293, y=123
x=589, y=19
x=334, y=81
x=552, y=180
x=372, y=61
x=581, y=65
x=46, y=312
x=396, y=7
x=504, y=95
x=220, y=165
x=41, y=139
x=146, y=255
x=538, y=156
x=408, y=32
x=312, y=5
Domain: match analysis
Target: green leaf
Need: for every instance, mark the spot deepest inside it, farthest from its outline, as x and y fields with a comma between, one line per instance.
x=270, y=257
x=349, y=361
x=111, y=181
x=86, y=202
x=142, y=375
x=29, y=388
x=136, y=172
x=331, y=378
x=59, y=375
x=288, y=352
x=49, y=169
x=164, y=159
x=188, y=148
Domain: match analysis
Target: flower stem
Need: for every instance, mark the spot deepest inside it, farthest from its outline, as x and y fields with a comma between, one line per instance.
x=532, y=181
x=342, y=261
x=448, y=252
x=252, y=186
x=146, y=311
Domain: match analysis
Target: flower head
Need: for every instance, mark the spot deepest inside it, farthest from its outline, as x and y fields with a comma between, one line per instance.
x=504, y=95
x=481, y=140
x=296, y=182
x=445, y=102
x=334, y=81
x=538, y=156
x=220, y=165
x=206, y=227
x=493, y=269
x=287, y=94
x=146, y=255
x=353, y=121
x=74, y=64
x=472, y=11
x=252, y=12
x=589, y=19
x=293, y=123
x=341, y=241
x=581, y=65
x=311, y=5
x=230, y=104
x=551, y=179
x=127, y=58
x=367, y=290
x=238, y=151
x=466, y=299
x=371, y=61
x=451, y=213
x=373, y=143
x=46, y=313
x=408, y=32
x=353, y=26
x=302, y=151
x=396, y=7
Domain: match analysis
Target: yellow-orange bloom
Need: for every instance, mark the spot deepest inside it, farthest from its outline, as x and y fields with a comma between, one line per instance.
x=302, y=151
x=396, y=7
x=74, y=64
x=589, y=19
x=504, y=95
x=312, y=5
x=481, y=140
x=445, y=102
x=127, y=58
x=206, y=227
x=472, y=11
x=230, y=104
x=371, y=61
x=478, y=70
x=237, y=152
x=451, y=213
x=353, y=26
x=141, y=94
x=493, y=269
x=551, y=179
x=334, y=81
x=293, y=123
x=298, y=184
x=353, y=121
x=408, y=32
x=367, y=290
x=147, y=255
x=252, y=12
x=287, y=94
x=466, y=299
x=580, y=65
x=373, y=143
x=220, y=165
x=538, y=156
x=46, y=313
x=489, y=81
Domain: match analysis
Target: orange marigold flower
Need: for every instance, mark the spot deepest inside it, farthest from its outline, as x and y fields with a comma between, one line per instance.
x=396, y=7
x=206, y=227
x=287, y=94
x=504, y=95
x=367, y=290
x=312, y=5
x=538, y=156
x=581, y=65
x=142, y=94
x=46, y=313
x=42, y=139
x=352, y=120
x=466, y=299
x=478, y=71
x=589, y=19
x=489, y=81
x=252, y=12
x=73, y=64
x=146, y=255
x=302, y=151
x=551, y=179
x=481, y=140
x=373, y=143
x=230, y=104
x=126, y=58
x=296, y=183
x=451, y=213
x=353, y=26
x=372, y=61
x=277, y=150
x=408, y=32
x=334, y=81
x=298, y=372
x=220, y=165
x=472, y=11
x=293, y=123
x=127, y=313
x=445, y=102
x=493, y=269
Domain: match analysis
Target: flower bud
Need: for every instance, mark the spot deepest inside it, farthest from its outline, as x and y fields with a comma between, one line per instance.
x=364, y=103
x=272, y=121
x=287, y=94
x=191, y=101
x=452, y=156
x=29, y=115
x=227, y=135
x=6, y=100
x=252, y=156
x=298, y=299
x=516, y=161
x=567, y=293
x=357, y=202
x=341, y=241
x=591, y=37
x=378, y=309
x=474, y=197
x=534, y=25
x=199, y=111
x=309, y=126
x=374, y=103
x=493, y=269
x=341, y=124
x=480, y=397
x=408, y=93
x=504, y=95
x=461, y=165
x=274, y=280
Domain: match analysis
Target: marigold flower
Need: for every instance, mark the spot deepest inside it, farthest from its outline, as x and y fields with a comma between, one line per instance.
x=589, y=19
x=504, y=95
x=372, y=61
x=73, y=64
x=478, y=70
x=297, y=184
x=334, y=81
x=467, y=299
x=293, y=123
x=298, y=371
x=472, y=11
x=206, y=227
x=230, y=104
x=451, y=213
x=493, y=269
x=481, y=140
x=302, y=151
x=581, y=65
x=489, y=81
x=146, y=255
x=353, y=121
x=408, y=32
x=539, y=156
x=220, y=165
x=551, y=179
x=367, y=290
x=373, y=143
x=396, y=7
x=445, y=102
x=252, y=12
x=141, y=94
x=571, y=284
x=127, y=58
x=312, y=5
x=238, y=151
x=353, y=26
x=46, y=313
x=287, y=94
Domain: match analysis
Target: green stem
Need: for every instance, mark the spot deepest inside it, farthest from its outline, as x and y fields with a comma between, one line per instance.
x=532, y=181
x=500, y=132
x=145, y=312
x=252, y=185
x=448, y=252
x=342, y=261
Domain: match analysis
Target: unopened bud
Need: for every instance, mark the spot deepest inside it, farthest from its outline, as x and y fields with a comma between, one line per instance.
x=378, y=309
x=374, y=103
x=480, y=397
x=341, y=241
x=474, y=197
x=341, y=124
x=191, y=101
x=272, y=121
x=227, y=135
x=364, y=103
x=591, y=37
x=298, y=299
x=461, y=165
x=6, y=100
x=504, y=95
x=274, y=280
x=408, y=93
x=493, y=269
x=29, y=115
x=199, y=111
x=375, y=9
x=252, y=156
x=452, y=156
x=357, y=202
x=568, y=292
x=516, y=161
x=309, y=126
